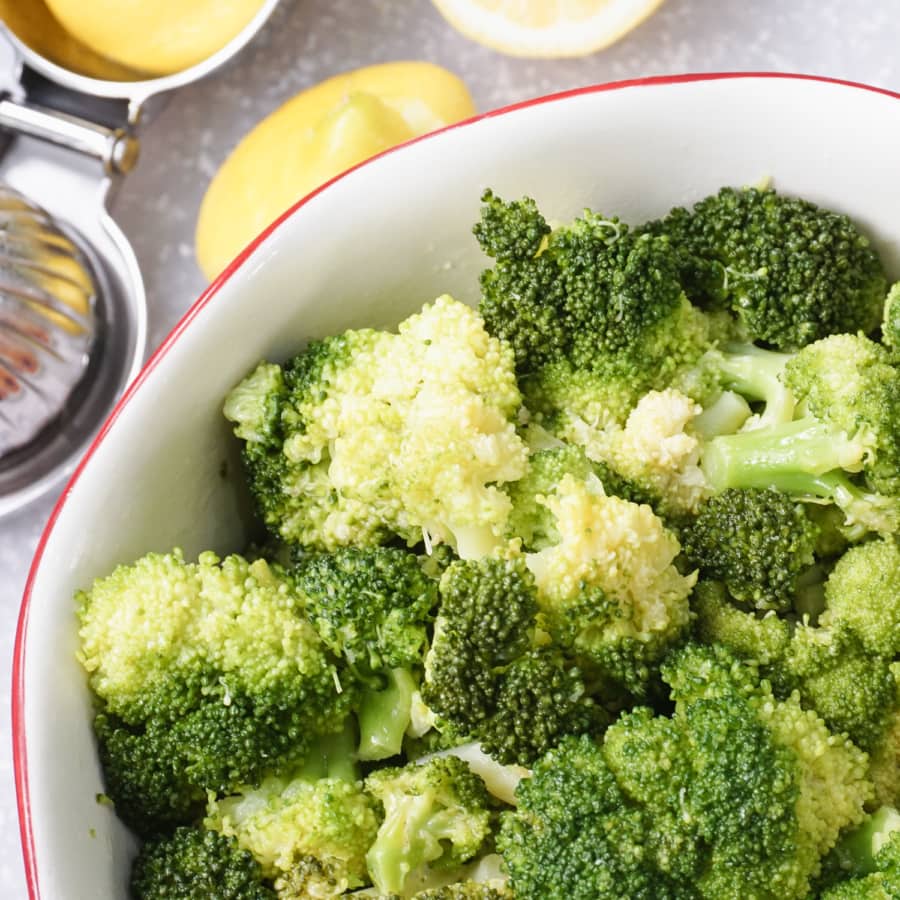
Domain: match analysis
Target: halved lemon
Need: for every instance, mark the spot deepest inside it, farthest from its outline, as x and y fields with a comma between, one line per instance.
x=314, y=136
x=546, y=28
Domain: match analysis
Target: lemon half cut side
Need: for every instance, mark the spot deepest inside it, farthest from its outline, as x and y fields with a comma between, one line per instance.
x=546, y=28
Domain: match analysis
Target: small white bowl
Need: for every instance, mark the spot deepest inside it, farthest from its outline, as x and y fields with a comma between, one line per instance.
x=366, y=250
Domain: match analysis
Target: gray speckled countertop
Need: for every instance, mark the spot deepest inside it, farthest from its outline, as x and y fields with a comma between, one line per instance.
x=308, y=40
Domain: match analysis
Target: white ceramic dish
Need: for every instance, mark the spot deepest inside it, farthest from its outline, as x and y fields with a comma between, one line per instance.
x=368, y=249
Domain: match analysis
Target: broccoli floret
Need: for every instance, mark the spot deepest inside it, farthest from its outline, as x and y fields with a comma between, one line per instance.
x=371, y=605
x=866, y=863
x=736, y=795
x=851, y=397
x=530, y=519
x=862, y=594
x=757, y=542
x=791, y=271
x=486, y=676
x=195, y=864
x=594, y=313
x=760, y=638
x=206, y=675
x=854, y=691
x=608, y=590
x=310, y=830
x=656, y=451
x=376, y=434
x=436, y=816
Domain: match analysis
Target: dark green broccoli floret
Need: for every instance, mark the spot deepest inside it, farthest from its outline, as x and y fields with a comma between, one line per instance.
x=595, y=315
x=850, y=394
x=513, y=230
x=575, y=836
x=757, y=542
x=369, y=605
x=484, y=675
x=207, y=675
x=436, y=816
x=735, y=795
x=791, y=271
x=196, y=864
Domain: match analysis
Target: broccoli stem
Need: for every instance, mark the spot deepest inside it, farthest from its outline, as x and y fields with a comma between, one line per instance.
x=790, y=457
x=384, y=716
x=724, y=415
x=756, y=373
x=332, y=756
x=857, y=851
x=804, y=458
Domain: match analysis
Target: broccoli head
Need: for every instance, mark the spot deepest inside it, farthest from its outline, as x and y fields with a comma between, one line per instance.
x=594, y=312
x=369, y=604
x=371, y=435
x=487, y=678
x=206, y=674
x=309, y=830
x=854, y=691
x=437, y=816
x=608, y=589
x=736, y=795
x=791, y=271
x=195, y=864
x=757, y=542
x=862, y=594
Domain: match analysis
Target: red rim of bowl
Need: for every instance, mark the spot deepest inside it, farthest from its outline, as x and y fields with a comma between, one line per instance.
x=20, y=756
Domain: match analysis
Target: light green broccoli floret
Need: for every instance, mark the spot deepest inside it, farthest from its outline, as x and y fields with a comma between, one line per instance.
x=862, y=593
x=608, y=589
x=436, y=816
x=309, y=831
x=372, y=434
x=207, y=674
x=656, y=450
x=865, y=865
x=845, y=446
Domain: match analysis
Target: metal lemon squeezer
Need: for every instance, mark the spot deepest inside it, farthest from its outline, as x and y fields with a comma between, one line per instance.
x=72, y=302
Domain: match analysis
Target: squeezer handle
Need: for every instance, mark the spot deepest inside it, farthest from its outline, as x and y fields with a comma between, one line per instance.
x=115, y=148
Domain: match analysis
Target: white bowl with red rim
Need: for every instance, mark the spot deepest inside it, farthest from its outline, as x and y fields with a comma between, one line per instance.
x=368, y=249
